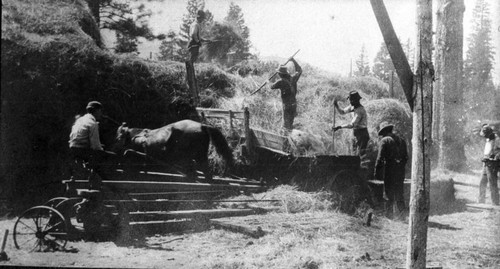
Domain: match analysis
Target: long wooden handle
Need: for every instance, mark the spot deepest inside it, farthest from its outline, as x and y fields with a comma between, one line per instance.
x=4, y=241
x=333, y=133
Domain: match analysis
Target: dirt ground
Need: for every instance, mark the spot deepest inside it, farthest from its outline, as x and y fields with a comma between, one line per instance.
x=467, y=239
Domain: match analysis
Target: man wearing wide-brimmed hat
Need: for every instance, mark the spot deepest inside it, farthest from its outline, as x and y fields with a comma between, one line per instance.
x=85, y=143
x=359, y=122
x=288, y=87
x=491, y=160
x=195, y=35
x=390, y=167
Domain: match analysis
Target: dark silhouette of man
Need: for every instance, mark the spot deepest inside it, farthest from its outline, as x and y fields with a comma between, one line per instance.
x=390, y=167
x=287, y=84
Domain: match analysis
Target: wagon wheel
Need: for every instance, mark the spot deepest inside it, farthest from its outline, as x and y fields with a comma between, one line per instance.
x=54, y=201
x=347, y=190
x=40, y=228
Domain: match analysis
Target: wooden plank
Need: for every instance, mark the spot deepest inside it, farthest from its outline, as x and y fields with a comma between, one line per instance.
x=484, y=207
x=280, y=152
x=151, y=186
x=254, y=233
x=194, y=214
x=465, y=184
x=268, y=139
x=162, y=176
x=165, y=204
x=220, y=113
x=176, y=194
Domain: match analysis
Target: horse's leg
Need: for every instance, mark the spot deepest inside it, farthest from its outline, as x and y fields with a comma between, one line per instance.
x=189, y=167
x=202, y=161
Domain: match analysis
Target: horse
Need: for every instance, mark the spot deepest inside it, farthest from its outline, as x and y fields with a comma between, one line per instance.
x=178, y=143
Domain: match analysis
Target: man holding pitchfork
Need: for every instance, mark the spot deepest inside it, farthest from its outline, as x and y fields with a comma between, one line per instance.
x=288, y=87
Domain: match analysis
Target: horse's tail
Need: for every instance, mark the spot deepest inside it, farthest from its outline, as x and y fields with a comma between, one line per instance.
x=220, y=144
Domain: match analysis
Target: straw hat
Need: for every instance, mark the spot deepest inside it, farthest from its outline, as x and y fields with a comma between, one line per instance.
x=385, y=127
x=354, y=95
x=94, y=105
x=486, y=130
x=282, y=70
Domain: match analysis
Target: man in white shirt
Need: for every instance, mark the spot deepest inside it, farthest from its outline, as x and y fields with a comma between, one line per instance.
x=84, y=141
x=490, y=165
x=195, y=34
x=359, y=122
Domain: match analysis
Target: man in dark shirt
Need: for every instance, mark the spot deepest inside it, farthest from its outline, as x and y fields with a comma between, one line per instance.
x=288, y=87
x=390, y=167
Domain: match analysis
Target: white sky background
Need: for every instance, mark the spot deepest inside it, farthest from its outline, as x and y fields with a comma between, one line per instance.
x=278, y=28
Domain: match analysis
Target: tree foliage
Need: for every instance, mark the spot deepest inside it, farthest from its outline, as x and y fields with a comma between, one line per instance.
x=382, y=64
x=362, y=65
x=128, y=19
x=241, y=47
x=169, y=48
x=479, y=63
x=231, y=37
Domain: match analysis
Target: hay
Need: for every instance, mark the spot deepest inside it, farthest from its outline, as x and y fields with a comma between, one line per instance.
x=442, y=196
x=291, y=200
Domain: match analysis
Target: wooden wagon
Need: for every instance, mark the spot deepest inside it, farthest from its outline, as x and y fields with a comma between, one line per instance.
x=271, y=161
x=127, y=204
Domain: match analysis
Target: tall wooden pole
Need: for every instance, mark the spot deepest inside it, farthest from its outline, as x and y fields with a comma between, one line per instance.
x=418, y=92
x=422, y=140
x=398, y=57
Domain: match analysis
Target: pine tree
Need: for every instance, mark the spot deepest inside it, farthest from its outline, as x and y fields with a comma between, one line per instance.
x=169, y=49
x=479, y=63
x=235, y=18
x=129, y=21
x=362, y=66
x=382, y=64
x=410, y=52
x=125, y=43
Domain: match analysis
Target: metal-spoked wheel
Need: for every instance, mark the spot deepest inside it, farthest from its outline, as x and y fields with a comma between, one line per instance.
x=40, y=228
x=54, y=201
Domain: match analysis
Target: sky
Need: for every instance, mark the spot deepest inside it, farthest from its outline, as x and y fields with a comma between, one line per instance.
x=329, y=33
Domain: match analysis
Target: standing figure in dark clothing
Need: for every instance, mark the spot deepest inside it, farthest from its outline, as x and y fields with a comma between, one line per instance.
x=490, y=160
x=288, y=87
x=359, y=122
x=390, y=167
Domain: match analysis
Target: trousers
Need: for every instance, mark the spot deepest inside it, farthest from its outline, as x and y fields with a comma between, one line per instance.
x=489, y=175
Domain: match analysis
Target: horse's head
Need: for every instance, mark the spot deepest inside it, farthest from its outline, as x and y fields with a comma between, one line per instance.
x=122, y=138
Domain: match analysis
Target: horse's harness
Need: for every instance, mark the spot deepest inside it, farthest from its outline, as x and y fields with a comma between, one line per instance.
x=141, y=138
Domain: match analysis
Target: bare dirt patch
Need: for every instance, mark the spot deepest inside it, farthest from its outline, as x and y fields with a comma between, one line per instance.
x=315, y=239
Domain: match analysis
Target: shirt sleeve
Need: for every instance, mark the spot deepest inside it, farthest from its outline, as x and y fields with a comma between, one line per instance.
x=298, y=71
x=277, y=85
x=95, y=142
x=379, y=163
x=345, y=110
